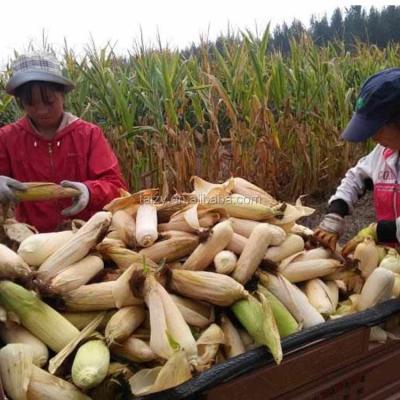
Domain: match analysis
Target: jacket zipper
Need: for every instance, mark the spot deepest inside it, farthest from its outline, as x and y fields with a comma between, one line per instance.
x=50, y=148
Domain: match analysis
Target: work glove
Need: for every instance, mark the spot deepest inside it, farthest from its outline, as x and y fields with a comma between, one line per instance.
x=7, y=188
x=80, y=202
x=329, y=230
x=369, y=231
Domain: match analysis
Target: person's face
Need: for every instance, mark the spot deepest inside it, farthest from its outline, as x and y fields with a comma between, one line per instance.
x=389, y=136
x=45, y=114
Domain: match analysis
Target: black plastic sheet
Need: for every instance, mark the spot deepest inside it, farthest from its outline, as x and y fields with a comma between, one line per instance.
x=249, y=361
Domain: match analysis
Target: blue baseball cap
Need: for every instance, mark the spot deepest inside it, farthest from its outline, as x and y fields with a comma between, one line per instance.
x=377, y=104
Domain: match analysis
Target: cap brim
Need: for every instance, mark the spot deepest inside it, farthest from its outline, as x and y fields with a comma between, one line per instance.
x=360, y=128
x=19, y=79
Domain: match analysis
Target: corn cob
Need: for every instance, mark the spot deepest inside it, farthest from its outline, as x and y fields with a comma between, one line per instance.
x=146, y=225
x=368, y=256
x=12, y=265
x=225, y=262
x=292, y=244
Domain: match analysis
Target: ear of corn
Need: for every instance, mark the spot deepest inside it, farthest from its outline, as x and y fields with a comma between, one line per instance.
x=195, y=313
x=291, y=245
x=377, y=288
x=83, y=318
x=205, y=252
x=284, y=320
x=368, y=256
x=225, y=262
x=253, y=253
x=40, y=319
x=300, y=271
x=12, y=265
x=37, y=191
x=237, y=243
x=10, y=332
x=77, y=274
x=293, y=299
x=246, y=188
x=16, y=370
x=257, y=317
x=122, y=291
x=134, y=349
x=77, y=247
x=174, y=248
x=214, y=288
x=233, y=345
x=90, y=364
x=37, y=248
x=125, y=227
x=320, y=296
x=123, y=323
x=391, y=261
x=244, y=227
x=146, y=225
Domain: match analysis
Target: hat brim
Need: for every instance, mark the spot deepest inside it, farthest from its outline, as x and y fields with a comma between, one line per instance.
x=19, y=79
x=360, y=128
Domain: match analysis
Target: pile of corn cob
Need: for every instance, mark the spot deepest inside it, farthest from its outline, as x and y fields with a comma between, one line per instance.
x=149, y=293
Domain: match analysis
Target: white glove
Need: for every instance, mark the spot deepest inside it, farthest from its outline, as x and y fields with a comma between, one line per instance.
x=7, y=188
x=80, y=202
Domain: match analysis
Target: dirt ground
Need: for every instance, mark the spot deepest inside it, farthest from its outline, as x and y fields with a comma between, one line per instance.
x=362, y=216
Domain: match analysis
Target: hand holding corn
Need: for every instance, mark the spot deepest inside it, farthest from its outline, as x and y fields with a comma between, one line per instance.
x=8, y=187
x=368, y=232
x=329, y=230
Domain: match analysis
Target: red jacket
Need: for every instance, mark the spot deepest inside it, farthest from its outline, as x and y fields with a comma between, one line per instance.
x=79, y=152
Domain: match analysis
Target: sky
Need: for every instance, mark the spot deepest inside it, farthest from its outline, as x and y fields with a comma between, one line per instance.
x=178, y=22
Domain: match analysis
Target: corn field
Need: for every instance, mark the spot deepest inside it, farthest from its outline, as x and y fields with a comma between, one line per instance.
x=236, y=109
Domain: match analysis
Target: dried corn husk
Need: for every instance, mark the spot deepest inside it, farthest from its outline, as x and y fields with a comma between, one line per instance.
x=77, y=247
x=246, y=188
x=146, y=225
x=321, y=296
x=205, y=252
x=125, y=227
x=134, y=349
x=368, y=256
x=12, y=266
x=208, y=286
x=233, y=345
x=237, y=243
x=10, y=332
x=208, y=345
x=291, y=245
x=37, y=248
x=77, y=274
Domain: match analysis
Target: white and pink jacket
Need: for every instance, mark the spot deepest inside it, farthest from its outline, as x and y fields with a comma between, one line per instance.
x=382, y=166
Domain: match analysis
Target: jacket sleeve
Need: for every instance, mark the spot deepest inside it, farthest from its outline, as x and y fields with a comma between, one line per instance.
x=104, y=175
x=5, y=165
x=353, y=184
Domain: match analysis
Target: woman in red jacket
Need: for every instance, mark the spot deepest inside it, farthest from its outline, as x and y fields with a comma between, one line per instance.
x=51, y=145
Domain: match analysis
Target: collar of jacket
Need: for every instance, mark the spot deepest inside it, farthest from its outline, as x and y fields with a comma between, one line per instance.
x=25, y=124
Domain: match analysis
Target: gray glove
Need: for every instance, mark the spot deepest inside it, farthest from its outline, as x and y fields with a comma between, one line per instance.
x=80, y=202
x=7, y=187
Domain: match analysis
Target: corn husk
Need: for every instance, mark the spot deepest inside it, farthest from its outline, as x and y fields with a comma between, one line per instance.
x=286, y=323
x=211, y=287
x=16, y=231
x=237, y=243
x=77, y=247
x=10, y=332
x=244, y=227
x=208, y=345
x=292, y=298
x=77, y=274
x=245, y=188
x=258, y=319
x=40, y=319
x=90, y=364
x=233, y=344
x=396, y=285
x=205, y=252
x=114, y=250
x=45, y=386
x=253, y=253
x=300, y=271
x=175, y=372
x=292, y=213
x=178, y=245
x=123, y=323
x=16, y=370
x=37, y=248
x=225, y=262
x=12, y=266
x=377, y=288
x=83, y=318
x=291, y=245
x=368, y=256
x=391, y=261
x=125, y=227
x=195, y=313
x=134, y=349
x=320, y=296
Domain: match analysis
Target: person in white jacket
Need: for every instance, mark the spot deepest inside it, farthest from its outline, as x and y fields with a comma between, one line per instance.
x=377, y=116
